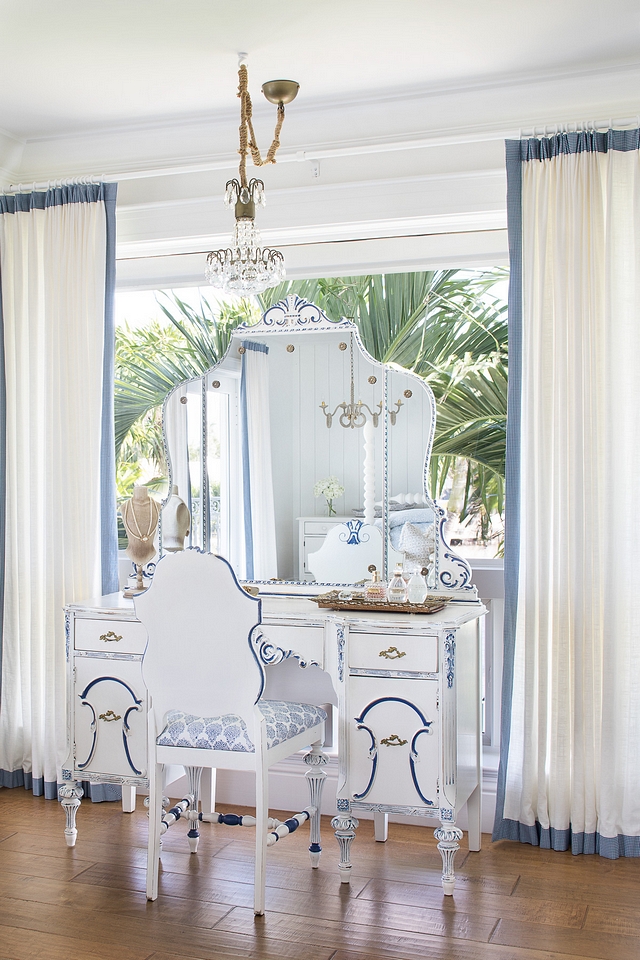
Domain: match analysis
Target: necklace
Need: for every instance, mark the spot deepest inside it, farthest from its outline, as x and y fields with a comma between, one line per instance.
x=130, y=514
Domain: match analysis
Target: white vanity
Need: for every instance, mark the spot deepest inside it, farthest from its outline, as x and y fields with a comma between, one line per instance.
x=408, y=684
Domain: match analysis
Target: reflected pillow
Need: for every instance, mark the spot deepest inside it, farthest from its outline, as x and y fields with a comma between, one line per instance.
x=417, y=546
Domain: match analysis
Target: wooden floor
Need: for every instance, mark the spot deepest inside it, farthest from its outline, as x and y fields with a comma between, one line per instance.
x=512, y=901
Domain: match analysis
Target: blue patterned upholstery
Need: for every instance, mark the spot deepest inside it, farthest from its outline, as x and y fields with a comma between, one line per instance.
x=284, y=720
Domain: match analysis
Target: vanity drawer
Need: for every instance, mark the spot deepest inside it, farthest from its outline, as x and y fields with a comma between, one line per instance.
x=383, y=651
x=111, y=636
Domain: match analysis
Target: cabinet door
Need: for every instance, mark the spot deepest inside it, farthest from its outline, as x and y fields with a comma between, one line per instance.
x=110, y=717
x=393, y=741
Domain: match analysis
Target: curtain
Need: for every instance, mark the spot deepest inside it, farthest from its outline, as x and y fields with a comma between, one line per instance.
x=569, y=774
x=259, y=513
x=57, y=270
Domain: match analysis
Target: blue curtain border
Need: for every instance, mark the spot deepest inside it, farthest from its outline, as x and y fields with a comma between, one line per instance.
x=39, y=787
x=108, y=494
x=518, y=152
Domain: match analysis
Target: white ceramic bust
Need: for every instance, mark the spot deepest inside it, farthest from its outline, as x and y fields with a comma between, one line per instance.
x=176, y=522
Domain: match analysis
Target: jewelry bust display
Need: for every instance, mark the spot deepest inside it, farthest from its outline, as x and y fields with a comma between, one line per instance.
x=140, y=518
x=176, y=522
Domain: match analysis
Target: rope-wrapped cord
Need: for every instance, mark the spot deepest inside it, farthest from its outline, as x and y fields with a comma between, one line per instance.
x=247, y=135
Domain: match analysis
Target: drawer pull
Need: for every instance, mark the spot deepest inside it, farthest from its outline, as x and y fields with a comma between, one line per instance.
x=394, y=741
x=109, y=637
x=392, y=653
x=110, y=715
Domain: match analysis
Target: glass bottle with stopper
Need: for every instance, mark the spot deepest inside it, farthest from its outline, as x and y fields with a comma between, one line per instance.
x=417, y=586
x=397, y=589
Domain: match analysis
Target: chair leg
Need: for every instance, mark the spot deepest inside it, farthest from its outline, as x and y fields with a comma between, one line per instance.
x=155, y=820
x=315, y=778
x=194, y=775
x=262, y=811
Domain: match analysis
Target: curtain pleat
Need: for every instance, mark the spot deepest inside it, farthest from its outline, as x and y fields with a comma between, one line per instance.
x=569, y=774
x=54, y=252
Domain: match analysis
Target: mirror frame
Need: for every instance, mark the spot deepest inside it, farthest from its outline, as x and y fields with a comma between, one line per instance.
x=296, y=316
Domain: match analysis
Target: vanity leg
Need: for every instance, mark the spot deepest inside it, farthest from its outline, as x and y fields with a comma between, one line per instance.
x=315, y=776
x=128, y=799
x=381, y=826
x=70, y=794
x=345, y=827
x=193, y=789
x=448, y=845
x=474, y=815
x=208, y=790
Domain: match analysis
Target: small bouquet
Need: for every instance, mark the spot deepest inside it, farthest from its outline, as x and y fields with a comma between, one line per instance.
x=329, y=488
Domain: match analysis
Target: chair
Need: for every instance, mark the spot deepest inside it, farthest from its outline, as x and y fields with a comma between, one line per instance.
x=205, y=679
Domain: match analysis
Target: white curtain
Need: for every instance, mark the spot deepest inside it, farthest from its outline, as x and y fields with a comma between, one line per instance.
x=53, y=250
x=570, y=766
x=259, y=513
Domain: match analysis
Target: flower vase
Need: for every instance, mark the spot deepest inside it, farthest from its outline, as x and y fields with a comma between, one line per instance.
x=332, y=512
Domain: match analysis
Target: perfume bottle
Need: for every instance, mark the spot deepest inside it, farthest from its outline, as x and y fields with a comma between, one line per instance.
x=416, y=588
x=397, y=590
x=375, y=589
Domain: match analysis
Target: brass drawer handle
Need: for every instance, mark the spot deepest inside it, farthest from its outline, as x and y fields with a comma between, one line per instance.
x=392, y=654
x=110, y=715
x=109, y=637
x=394, y=741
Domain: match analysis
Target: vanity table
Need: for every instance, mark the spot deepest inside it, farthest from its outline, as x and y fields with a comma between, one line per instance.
x=246, y=442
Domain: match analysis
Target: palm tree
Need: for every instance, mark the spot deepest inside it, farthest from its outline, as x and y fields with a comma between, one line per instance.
x=443, y=325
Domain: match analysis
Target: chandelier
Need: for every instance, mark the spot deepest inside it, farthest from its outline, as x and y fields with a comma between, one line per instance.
x=354, y=412
x=246, y=266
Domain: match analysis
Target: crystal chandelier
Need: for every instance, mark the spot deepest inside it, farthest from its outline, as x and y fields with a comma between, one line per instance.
x=246, y=266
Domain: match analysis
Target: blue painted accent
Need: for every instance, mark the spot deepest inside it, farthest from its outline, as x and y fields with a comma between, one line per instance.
x=343, y=805
x=193, y=833
x=115, y=680
x=94, y=728
x=373, y=756
x=315, y=848
x=292, y=824
x=125, y=739
x=413, y=756
x=373, y=751
x=176, y=811
x=450, y=649
x=352, y=533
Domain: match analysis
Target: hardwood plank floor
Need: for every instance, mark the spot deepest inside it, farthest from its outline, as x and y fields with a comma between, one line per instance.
x=512, y=901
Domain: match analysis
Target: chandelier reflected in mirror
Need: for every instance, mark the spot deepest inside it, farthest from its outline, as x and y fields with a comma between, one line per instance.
x=246, y=267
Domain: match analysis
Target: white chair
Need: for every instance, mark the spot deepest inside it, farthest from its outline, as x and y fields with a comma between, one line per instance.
x=205, y=678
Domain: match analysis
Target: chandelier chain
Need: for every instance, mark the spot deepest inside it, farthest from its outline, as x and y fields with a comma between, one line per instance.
x=247, y=135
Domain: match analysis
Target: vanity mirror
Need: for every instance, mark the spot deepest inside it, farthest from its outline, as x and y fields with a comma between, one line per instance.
x=296, y=400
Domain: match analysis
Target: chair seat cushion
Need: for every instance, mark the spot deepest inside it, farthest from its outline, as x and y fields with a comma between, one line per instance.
x=283, y=720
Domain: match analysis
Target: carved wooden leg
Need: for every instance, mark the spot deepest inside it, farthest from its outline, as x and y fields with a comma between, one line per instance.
x=194, y=775
x=448, y=837
x=381, y=826
x=345, y=826
x=69, y=795
x=315, y=778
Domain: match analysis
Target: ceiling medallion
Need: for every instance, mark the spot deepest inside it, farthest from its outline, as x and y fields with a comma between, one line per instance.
x=246, y=267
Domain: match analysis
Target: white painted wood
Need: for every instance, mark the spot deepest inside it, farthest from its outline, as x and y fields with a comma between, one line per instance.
x=381, y=826
x=128, y=798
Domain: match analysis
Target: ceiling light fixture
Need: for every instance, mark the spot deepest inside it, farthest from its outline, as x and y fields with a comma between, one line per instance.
x=246, y=267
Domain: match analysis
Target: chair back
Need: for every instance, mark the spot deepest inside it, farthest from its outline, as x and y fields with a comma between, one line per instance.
x=200, y=656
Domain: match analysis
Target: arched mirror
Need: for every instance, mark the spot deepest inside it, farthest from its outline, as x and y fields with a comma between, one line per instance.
x=303, y=459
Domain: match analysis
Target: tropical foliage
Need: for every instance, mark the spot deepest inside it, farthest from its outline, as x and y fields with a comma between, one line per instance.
x=445, y=326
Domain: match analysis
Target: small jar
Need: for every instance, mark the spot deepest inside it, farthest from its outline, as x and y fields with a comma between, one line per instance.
x=375, y=589
x=397, y=589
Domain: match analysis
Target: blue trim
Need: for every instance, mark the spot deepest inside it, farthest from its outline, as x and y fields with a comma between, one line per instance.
x=57, y=197
x=413, y=756
x=256, y=347
x=373, y=756
x=586, y=141
x=108, y=507
x=512, y=464
x=315, y=848
x=548, y=838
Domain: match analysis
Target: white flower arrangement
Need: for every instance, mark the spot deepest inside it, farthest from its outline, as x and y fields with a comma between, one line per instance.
x=329, y=488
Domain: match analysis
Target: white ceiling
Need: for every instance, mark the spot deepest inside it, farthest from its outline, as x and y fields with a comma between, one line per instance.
x=77, y=65
x=392, y=156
